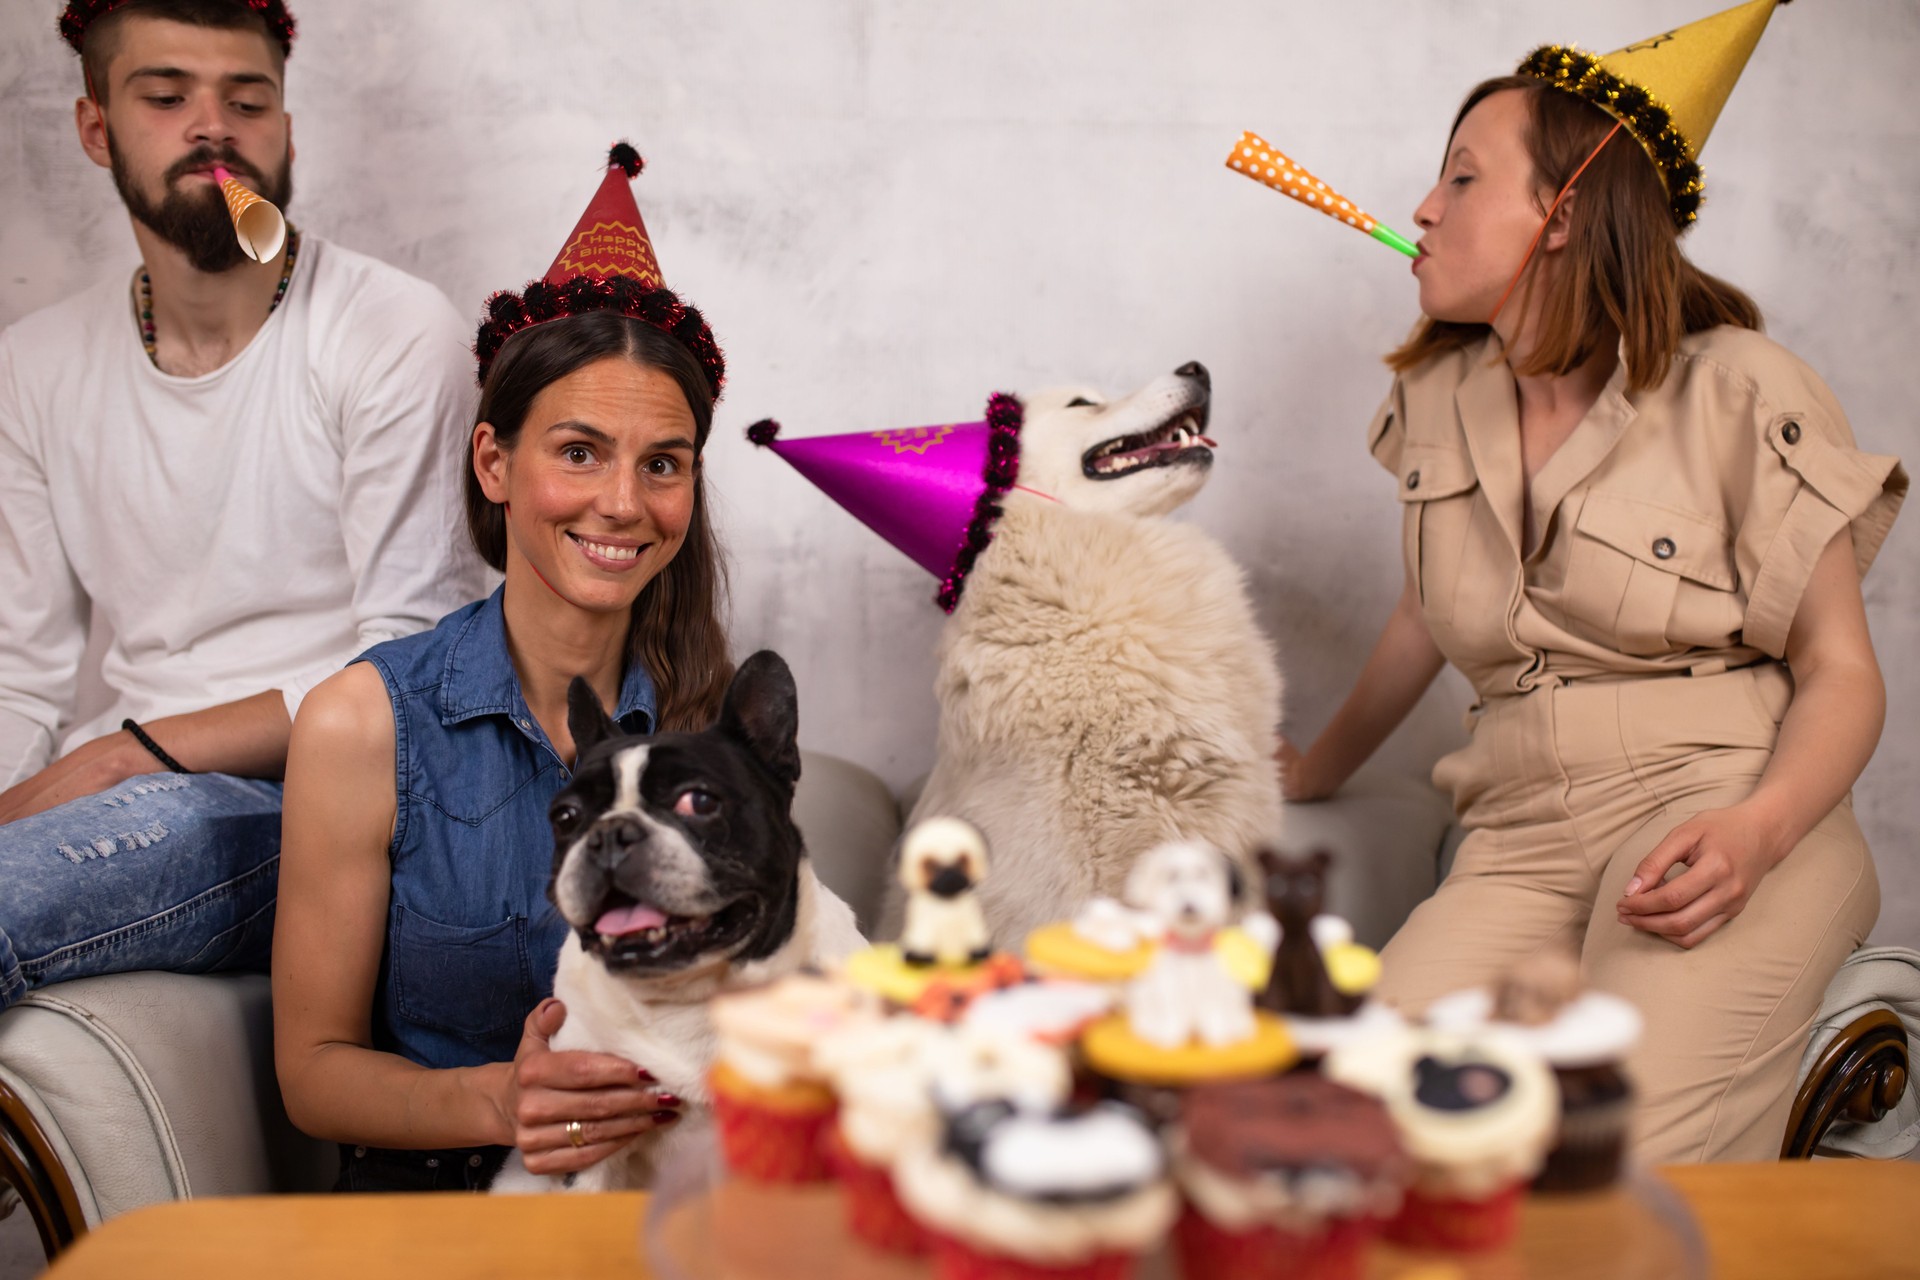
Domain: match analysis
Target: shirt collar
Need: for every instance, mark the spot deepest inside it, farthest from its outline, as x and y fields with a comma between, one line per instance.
x=478, y=678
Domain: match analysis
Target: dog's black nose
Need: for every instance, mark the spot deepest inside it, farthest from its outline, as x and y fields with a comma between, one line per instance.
x=619, y=836
x=1197, y=371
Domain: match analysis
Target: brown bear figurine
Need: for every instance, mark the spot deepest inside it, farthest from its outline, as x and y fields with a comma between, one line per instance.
x=1295, y=889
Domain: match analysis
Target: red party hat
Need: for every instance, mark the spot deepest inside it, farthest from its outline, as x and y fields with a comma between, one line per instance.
x=607, y=264
x=611, y=238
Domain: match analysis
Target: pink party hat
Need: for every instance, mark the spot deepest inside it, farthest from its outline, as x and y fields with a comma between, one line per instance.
x=933, y=492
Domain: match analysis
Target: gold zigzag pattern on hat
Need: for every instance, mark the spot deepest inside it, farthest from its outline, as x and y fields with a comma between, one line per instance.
x=1668, y=90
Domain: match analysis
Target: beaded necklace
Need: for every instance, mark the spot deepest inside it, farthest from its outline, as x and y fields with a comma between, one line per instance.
x=143, y=295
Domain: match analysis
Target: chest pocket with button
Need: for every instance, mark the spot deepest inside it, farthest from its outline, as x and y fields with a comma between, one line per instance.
x=1630, y=564
x=1438, y=490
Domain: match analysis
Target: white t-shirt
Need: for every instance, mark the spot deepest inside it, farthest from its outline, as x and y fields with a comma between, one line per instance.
x=250, y=529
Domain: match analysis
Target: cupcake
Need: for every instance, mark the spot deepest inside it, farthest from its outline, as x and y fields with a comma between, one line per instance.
x=1017, y=1195
x=1584, y=1036
x=1475, y=1111
x=771, y=1105
x=1286, y=1177
x=882, y=1074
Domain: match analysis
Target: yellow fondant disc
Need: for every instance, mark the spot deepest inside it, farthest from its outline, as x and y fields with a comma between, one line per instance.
x=880, y=969
x=1059, y=949
x=1114, y=1050
x=1353, y=968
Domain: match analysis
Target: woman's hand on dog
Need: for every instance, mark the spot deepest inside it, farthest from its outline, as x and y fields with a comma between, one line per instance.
x=614, y=1100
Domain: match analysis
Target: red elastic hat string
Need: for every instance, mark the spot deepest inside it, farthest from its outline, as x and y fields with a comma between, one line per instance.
x=1548, y=220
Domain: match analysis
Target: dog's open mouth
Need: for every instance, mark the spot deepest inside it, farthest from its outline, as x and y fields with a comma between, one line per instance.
x=631, y=934
x=1179, y=439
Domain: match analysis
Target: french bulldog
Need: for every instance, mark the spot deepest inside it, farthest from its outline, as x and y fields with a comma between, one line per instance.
x=678, y=866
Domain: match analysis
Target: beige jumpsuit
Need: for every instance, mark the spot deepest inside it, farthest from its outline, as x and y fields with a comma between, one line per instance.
x=1629, y=672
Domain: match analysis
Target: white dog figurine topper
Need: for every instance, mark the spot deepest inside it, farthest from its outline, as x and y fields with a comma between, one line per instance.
x=942, y=861
x=1186, y=992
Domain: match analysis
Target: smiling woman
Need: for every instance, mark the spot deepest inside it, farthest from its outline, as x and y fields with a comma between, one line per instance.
x=415, y=947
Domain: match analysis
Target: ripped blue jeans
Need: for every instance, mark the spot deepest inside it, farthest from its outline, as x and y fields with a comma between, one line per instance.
x=168, y=871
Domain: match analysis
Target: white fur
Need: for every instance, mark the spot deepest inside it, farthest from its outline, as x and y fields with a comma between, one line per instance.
x=1186, y=993
x=662, y=1024
x=628, y=765
x=1103, y=684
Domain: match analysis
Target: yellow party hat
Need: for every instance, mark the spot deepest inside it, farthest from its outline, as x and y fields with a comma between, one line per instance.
x=1667, y=89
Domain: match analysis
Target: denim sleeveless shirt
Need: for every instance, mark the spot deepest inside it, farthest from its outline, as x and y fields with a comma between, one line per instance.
x=471, y=938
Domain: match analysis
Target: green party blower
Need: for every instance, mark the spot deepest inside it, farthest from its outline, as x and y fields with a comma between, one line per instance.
x=1260, y=160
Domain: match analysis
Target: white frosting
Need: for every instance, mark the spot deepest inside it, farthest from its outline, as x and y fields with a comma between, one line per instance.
x=1468, y=1153
x=1052, y=1012
x=767, y=1034
x=1300, y=1202
x=882, y=1073
x=1592, y=1029
x=1112, y=925
x=1035, y=1155
x=986, y=1063
x=944, y=1195
x=1316, y=1037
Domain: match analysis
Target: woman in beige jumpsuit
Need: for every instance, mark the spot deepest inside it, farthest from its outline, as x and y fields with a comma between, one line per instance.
x=1642, y=547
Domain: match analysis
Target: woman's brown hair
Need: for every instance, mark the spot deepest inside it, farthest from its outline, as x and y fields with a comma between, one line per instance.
x=1622, y=264
x=676, y=632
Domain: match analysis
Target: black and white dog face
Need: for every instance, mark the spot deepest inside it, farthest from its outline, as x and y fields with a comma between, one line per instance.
x=677, y=852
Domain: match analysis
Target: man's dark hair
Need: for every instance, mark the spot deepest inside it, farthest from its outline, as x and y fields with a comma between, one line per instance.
x=103, y=34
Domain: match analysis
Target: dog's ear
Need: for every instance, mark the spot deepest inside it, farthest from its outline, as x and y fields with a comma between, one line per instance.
x=1236, y=879
x=587, y=720
x=763, y=710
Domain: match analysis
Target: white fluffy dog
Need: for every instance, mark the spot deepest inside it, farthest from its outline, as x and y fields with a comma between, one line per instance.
x=1186, y=993
x=1103, y=684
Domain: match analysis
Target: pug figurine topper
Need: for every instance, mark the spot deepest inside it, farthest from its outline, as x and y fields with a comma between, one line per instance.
x=942, y=862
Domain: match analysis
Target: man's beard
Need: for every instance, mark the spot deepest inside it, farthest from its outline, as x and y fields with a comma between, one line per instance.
x=195, y=220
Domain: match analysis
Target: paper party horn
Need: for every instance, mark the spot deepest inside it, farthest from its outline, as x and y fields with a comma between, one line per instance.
x=1260, y=160
x=261, y=228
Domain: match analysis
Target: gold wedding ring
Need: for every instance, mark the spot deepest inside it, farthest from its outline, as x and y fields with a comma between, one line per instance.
x=576, y=1133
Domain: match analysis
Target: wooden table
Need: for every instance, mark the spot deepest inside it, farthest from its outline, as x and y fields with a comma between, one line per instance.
x=1840, y=1218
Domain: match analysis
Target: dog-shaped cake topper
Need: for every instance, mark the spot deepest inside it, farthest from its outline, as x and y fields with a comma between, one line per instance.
x=1295, y=890
x=942, y=862
x=1187, y=993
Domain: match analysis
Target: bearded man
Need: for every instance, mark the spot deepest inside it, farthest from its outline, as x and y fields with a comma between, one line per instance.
x=246, y=471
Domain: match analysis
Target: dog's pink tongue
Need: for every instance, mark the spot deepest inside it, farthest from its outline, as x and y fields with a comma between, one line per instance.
x=624, y=920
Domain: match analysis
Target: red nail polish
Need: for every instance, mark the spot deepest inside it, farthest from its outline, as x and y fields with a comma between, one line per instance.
x=667, y=1099
x=646, y=1076
x=665, y=1117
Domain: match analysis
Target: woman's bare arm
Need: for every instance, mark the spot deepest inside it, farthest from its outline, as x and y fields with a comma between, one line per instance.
x=1403, y=663
x=1826, y=738
x=337, y=822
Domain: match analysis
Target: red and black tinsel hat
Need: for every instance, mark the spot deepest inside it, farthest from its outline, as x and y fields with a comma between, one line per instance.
x=81, y=14
x=608, y=264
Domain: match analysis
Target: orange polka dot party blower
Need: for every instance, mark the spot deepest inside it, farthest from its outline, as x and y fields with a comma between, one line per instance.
x=1260, y=160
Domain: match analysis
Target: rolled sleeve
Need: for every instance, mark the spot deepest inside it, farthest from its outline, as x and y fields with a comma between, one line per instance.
x=1387, y=433
x=1810, y=483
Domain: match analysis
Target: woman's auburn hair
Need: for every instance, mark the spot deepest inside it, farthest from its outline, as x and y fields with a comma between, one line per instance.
x=676, y=632
x=1622, y=263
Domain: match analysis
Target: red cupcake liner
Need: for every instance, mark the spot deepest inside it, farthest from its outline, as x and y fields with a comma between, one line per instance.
x=874, y=1213
x=1464, y=1226
x=956, y=1260
x=767, y=1144
x=1211, y=1252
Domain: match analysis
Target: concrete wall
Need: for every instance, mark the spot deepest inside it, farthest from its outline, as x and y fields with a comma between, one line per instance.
x=890, y=209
